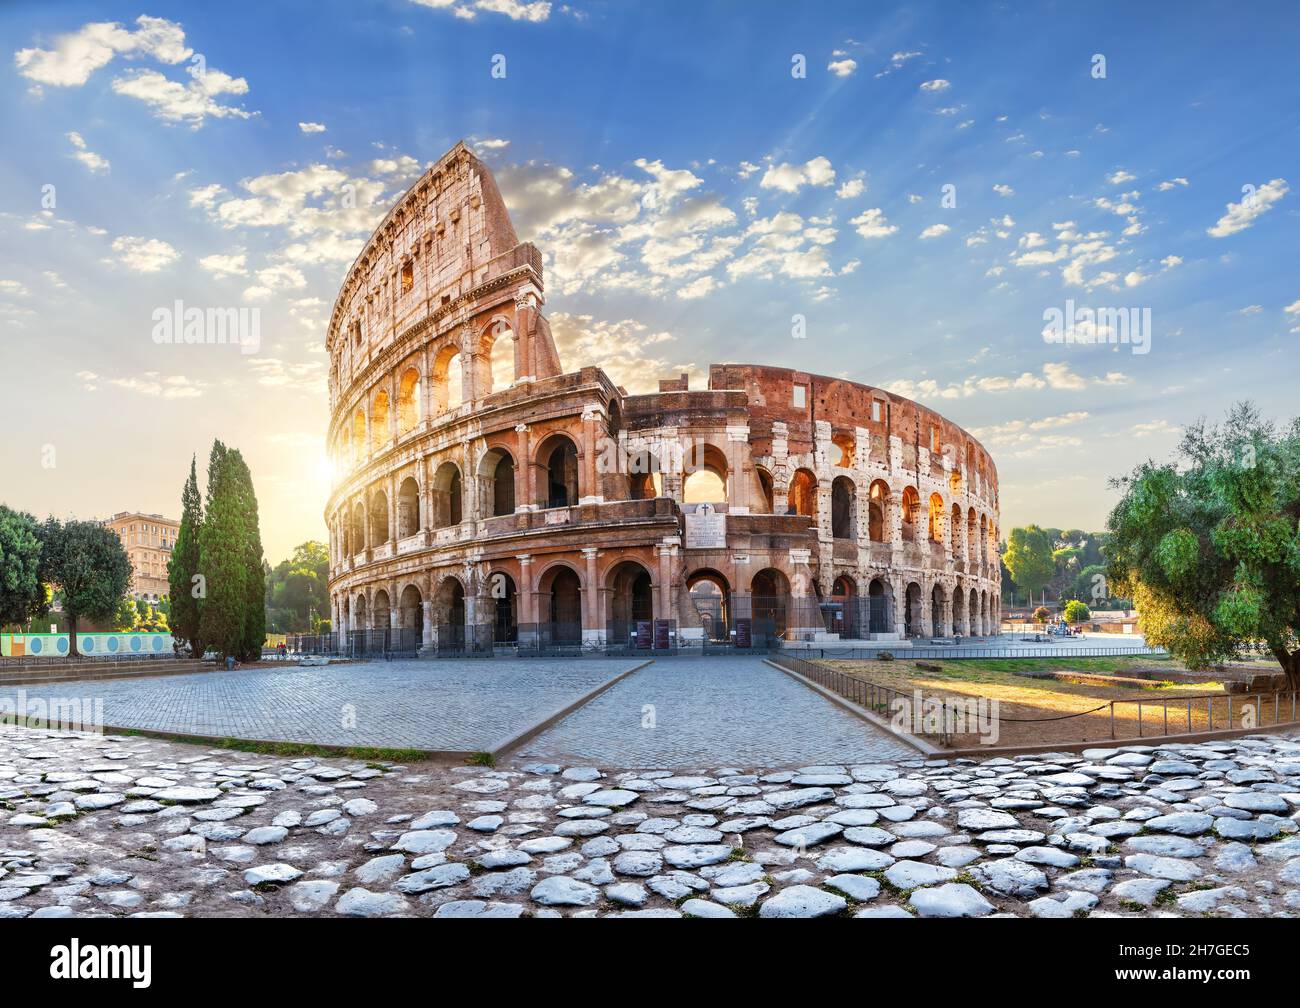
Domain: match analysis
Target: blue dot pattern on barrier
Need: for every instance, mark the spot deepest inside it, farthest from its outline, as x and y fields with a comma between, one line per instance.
x=34, y=645
x=61, y=645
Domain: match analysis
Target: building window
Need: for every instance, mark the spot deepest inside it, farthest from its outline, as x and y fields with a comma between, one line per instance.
x=934, y=440
x=408, y=277
x=800, y=397
x=875, y=411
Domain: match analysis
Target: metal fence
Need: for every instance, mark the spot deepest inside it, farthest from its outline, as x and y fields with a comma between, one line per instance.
x=1219, y=712
x=905, y=652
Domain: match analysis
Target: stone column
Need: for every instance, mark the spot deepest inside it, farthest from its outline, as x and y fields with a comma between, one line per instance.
x=590, y=479
x=947, y=629
x=740, y=470
x=525, y=500
x=663, y=605
x=591, y=592
x=524, y=591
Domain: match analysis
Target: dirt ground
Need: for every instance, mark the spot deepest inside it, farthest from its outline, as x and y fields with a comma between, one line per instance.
x=1045, y=711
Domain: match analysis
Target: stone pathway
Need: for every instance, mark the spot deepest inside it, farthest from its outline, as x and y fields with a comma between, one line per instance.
x=466, y=706
x=693, y=712
x=116, y=826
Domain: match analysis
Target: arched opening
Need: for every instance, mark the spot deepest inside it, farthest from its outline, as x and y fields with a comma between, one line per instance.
x=447, y=380
x=358, y=529
x=844, y=441
x=447, y=503
x=631, y=598
x=954, y=482
x=981, y=544
x=497, y=483
x=706, y=475
x=937, y=628
x=956, y=529
x=411, y=615
x=645, y=478
x=408, y=401
x=378, y=518
x=844, y=608
x=803, y=494
x=911, y=513
x=345, y=536
x=379, y=434
x=505, y=609
x=560, y=457
x=455, y=381
x=360, y=612
x=912, y=610
x=408, y=508
x=710, y=601
x=770, y=593
x=971, y=547
x=844, y=509
x=499, y=352
x=973, y=613
x=881, y=611
x=878, y=497
x=959, y=613
x=345, y=449
x=379, y=619
x=767, y=488
x=935, y=526
x=359, y=441
x=449, y=614
x=561, y=592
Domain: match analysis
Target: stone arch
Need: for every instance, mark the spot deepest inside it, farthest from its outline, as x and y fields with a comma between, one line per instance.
x=557, y=456
x=359, y=438
x=954, y=482
x=410, y=612
x=708, y=600
x=496, y=480
x=935, y=524
x=502, y=607
x=378, y=517
x=959, y=612
x=766, y=489
x=877, y=508
x=880, y=601
x=358, y=528
x=559, y=590
x=408, y=401
x=973, y=613
x=912, y=614
x=408, y=508
x=846, y=611
x=803, y=494
x=844, y=508
x=630, y=591
x=448, y=380
x=448, y=496
x=911, y=509
x=937, y=599
x=497, y=351
x=770, y=598
x=360, y=611
x=379, y=433
x=449, y=610
x=379, y=611
x=846, y=443
x=706, y=475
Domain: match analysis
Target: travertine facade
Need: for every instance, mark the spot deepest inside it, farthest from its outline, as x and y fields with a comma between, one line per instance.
x=480, y=485
x=148, y=540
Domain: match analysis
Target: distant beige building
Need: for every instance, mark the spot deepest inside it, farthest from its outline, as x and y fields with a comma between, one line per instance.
x=148, y=540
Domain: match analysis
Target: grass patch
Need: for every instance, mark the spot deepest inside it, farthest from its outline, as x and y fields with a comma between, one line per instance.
x=482, y=759
x=371, y=754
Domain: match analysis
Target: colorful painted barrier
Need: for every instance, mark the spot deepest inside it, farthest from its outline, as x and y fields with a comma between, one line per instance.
x=97, y=644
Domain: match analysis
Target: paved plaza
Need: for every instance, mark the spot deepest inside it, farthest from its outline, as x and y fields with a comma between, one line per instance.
x=690, y=712
x=468, y=706
x=103, y=826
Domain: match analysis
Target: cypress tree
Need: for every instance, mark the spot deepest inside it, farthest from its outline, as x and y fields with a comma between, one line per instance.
x=184, y=590
x=254, y=616
x=223, y=551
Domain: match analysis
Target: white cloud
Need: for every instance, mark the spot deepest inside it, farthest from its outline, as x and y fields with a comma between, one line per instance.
x=150, y=383
x=515, y=10
x=1242, y=215
x=189, y=103
x=791, y=178
x=1003, y=190
x=851, y=188
x=1120, y=176
x=144, y=255
x=872, y=224
x=936, y=85
x=897, y=62
x=225, y=265
x=79, y=54
x=312, y=127
x=1170, y=261
x=935, y=231
x=842, y=67
x=86, y=156
x=1171, y=184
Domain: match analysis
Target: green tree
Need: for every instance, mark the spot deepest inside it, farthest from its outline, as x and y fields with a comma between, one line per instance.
x=1076, y=612
x=253, y=634
x=87, y=562
x=126, y=616
x=1029, y=558
x=296, y=589
x=183, y=567
x=1208, y=547
x=1041, y=615
x=223, y=548
x=22, y=595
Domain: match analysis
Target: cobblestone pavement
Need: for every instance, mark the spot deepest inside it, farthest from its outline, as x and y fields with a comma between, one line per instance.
x=115, y=826
x=456, y=705
x=691, y=712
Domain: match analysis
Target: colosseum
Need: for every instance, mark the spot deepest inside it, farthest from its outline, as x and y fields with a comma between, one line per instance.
x=486, y=500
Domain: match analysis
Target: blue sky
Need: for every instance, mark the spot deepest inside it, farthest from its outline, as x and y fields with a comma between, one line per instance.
x=691, y=196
